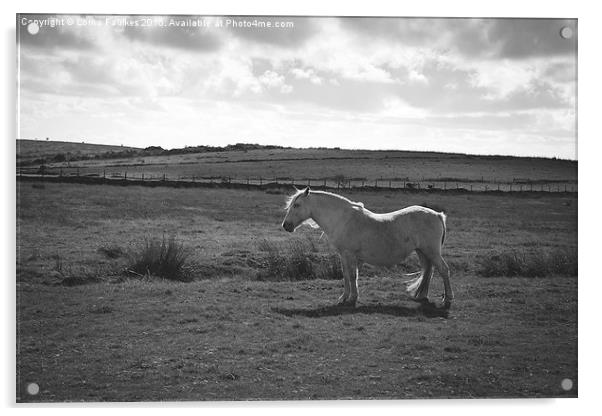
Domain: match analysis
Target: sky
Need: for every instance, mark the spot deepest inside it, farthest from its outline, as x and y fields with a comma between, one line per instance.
x=479, y=86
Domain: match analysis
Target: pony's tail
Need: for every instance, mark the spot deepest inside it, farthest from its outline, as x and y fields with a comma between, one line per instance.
x=443, y=219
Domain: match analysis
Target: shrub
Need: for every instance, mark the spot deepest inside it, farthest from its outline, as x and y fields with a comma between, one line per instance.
x=165, y=258
x=297, y=260
x=537, y=263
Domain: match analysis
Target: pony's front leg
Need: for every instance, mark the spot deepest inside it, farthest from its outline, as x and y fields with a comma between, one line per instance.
x=350, y=271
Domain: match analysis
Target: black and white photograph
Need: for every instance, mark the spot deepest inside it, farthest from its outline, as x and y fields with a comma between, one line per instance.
x=295, y=208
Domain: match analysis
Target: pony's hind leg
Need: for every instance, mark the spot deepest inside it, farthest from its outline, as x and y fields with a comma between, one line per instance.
x=345, y=296
x=419, y=288
x=443, y=270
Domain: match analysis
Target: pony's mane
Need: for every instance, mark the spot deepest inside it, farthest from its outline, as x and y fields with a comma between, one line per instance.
x=292, y=198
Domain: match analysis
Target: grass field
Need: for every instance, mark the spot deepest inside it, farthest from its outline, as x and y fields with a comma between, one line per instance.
x=302, y=164
x=87, y=330
x=30, y=150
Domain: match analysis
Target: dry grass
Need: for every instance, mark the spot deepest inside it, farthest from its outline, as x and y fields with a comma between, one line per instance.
x=229, y=339
x=538, y=263
x=298, y=259
x=229, y=336
x=330, y=163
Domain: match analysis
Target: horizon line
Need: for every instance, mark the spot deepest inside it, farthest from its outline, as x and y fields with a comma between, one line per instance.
x=309, y=148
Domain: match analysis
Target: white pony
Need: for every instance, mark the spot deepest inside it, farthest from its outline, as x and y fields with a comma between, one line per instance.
x=361, y=236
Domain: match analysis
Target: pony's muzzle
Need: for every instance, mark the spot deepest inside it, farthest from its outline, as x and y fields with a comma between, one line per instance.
x=288, y=226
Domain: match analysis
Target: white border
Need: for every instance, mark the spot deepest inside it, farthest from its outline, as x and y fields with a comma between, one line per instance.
x=589, y=229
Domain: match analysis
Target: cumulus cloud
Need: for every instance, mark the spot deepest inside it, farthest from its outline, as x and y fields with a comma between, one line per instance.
x=271, y=79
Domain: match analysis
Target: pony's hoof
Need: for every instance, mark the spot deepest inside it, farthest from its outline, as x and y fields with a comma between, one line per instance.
x=346, y=302
x=342, y=301
x=422, y=300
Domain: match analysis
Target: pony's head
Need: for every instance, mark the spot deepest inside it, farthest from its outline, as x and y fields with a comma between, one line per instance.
x=297, y=210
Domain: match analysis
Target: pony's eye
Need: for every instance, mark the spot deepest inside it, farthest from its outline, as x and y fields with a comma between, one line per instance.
x=295, y=205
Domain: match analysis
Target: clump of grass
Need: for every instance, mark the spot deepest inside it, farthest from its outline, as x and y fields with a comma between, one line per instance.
x=538, y=263
x=112, y=252
x=70, y=275
x=297, y=260
x=79, y=278
x=165, y=258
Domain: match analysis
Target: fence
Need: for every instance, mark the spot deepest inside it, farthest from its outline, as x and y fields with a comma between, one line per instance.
x=333, y=183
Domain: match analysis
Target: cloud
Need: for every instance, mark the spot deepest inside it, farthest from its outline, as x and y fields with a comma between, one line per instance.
x=561, y=72
x=285, y=31
x=522, y=38
x=454, y=81
x=472, y=37
x=174, y=32
x=308, y=74
x=271, y=79
x=52, y=34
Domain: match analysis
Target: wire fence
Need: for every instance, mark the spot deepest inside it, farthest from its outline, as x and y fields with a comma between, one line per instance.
x=332, y=183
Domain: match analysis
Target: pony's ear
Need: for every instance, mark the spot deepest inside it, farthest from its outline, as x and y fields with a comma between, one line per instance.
x=306, y=193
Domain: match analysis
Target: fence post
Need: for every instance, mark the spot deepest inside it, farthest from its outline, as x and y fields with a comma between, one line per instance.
x=389, y=184
x=164, y=177
x=510, y=187
x=260, y=181
x=471, y=187
x=376, y=183
x=142, y=176
x=104, y=173
x=125, y=175
x=324, y=183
